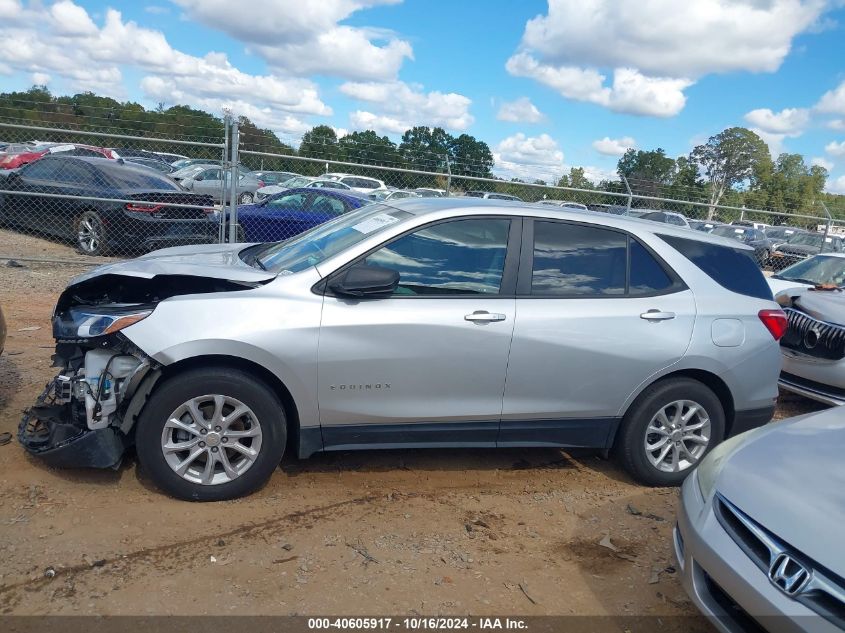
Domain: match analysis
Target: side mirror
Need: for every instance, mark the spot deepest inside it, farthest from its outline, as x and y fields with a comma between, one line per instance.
x=198, y=177
x=366, y=281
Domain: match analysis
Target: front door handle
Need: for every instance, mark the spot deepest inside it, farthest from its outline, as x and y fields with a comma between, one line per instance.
x=657, y=315
x=482, y=316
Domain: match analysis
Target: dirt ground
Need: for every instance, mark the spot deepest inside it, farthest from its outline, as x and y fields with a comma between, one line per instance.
x=401, y=533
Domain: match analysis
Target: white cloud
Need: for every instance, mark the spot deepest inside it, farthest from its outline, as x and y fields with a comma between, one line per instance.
x=529, y=158
x=836, y=186
x=59, y=41
x=669, y=38
x=833, y=101
x=631, y=92
x=10, y=9
x=155, y=9
x=656, y=49
x=835, y=149
x=789, y=121
x=614, y=146
x=297, y=37
x=520, y=111
x=40, y=79
x=837, y=124
x=821, y=162
x=401, y=106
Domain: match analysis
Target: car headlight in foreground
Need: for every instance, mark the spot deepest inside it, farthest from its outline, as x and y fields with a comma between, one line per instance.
x=710, y=467
x=91, y=322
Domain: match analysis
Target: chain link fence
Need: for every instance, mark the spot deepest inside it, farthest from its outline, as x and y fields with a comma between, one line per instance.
x=80, y=195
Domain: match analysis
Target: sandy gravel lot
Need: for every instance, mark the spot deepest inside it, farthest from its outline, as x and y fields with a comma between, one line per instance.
x=404, y=532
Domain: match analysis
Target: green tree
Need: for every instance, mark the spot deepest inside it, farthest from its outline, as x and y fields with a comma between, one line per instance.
x=425, y=148
x=470, y=157
x=732, y=157
x=320, y=142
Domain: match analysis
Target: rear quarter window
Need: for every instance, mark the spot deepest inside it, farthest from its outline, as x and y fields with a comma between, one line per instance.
x=732, y=268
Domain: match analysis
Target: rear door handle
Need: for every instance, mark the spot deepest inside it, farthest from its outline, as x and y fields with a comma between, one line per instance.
x=482, y=316
x=657, y=315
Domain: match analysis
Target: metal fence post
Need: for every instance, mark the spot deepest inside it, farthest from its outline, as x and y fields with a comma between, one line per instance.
x=224, y=164
x=448, y=176
x=630, y=194
x=233, y=186
x=826, y=226
x=742, y=214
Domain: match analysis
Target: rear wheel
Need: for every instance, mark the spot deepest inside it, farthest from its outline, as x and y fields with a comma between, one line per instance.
x=668, y=430
x=90, y=234
x=211, y=434
x=245, y=198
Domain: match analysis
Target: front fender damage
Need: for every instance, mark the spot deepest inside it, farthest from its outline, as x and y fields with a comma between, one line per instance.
x=86, y=414
x=80, y=420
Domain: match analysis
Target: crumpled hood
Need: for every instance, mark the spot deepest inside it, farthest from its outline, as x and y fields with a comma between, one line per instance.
x=214, y=261
x=823, y=305
x=791, y=480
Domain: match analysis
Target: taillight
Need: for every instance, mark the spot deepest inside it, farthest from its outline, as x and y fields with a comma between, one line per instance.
x=143, y=208
x=260, y=183
x=775, y=322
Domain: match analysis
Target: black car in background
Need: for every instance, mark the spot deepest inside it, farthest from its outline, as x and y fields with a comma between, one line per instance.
x=69, y=197
x=748, y=235
x=780, y=234
x=804, y=245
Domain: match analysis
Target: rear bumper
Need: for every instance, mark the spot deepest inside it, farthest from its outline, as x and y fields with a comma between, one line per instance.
x=155, y=233
x=724, y=583
x=819, y=379
x=817, y=391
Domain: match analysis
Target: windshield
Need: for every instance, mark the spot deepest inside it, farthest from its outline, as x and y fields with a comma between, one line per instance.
x=298, y=181
x=327, y=240
x=807, y=239
x=729, y=231
x=821, y=269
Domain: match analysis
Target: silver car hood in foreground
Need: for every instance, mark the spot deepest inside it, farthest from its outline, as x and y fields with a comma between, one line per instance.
x=215, y=261
x=790, y=479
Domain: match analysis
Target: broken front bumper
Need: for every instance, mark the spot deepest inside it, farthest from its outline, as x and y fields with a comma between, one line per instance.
x=57, y=432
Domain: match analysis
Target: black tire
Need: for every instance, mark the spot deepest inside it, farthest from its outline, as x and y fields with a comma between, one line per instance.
x=246, y=198
x=90, y=235
x=630, y=448
x=195, y=383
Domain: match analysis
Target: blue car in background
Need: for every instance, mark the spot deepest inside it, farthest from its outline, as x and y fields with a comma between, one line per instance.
x=293, y=211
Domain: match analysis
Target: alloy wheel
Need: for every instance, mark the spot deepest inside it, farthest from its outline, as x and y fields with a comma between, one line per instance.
x=211, y=439
x=677, y=436
x=89, y=234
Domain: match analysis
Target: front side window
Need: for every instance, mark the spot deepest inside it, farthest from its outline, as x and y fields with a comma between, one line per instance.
x=327, y=204
x=460, y=257
x=292, y=202
x=573, y=260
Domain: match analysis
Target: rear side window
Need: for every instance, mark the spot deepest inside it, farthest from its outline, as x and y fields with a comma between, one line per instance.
x=572, y=260
x=731, y=268
x=647, y=275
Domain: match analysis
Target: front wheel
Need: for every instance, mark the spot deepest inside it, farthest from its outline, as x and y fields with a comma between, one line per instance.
x=668, y=430
x=90, y=234
x=211, y=434
x=245, y=198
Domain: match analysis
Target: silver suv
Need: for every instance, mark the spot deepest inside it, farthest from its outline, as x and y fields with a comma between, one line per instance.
x=424, y=323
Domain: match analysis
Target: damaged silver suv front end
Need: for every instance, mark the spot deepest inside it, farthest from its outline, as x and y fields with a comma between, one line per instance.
x=80, y=419
x=86, y=414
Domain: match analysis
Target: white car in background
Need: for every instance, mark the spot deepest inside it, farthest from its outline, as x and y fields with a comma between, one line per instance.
x=564, y=204
x=299, y=181
x=361, y=184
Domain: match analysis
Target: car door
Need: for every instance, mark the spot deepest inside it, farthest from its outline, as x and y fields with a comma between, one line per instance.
x=277, y=219
x=597, y=314
x=427, y=364
x=26, y=210
x=209, y=182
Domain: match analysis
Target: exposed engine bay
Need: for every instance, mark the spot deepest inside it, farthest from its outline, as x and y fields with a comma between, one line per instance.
x=85, y=415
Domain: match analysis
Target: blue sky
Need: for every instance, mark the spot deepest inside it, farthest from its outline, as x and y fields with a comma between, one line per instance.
x=547, y=85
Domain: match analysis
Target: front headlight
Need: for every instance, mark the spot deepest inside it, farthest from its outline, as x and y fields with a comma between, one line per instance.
x=710, y=467
x=89, y=322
